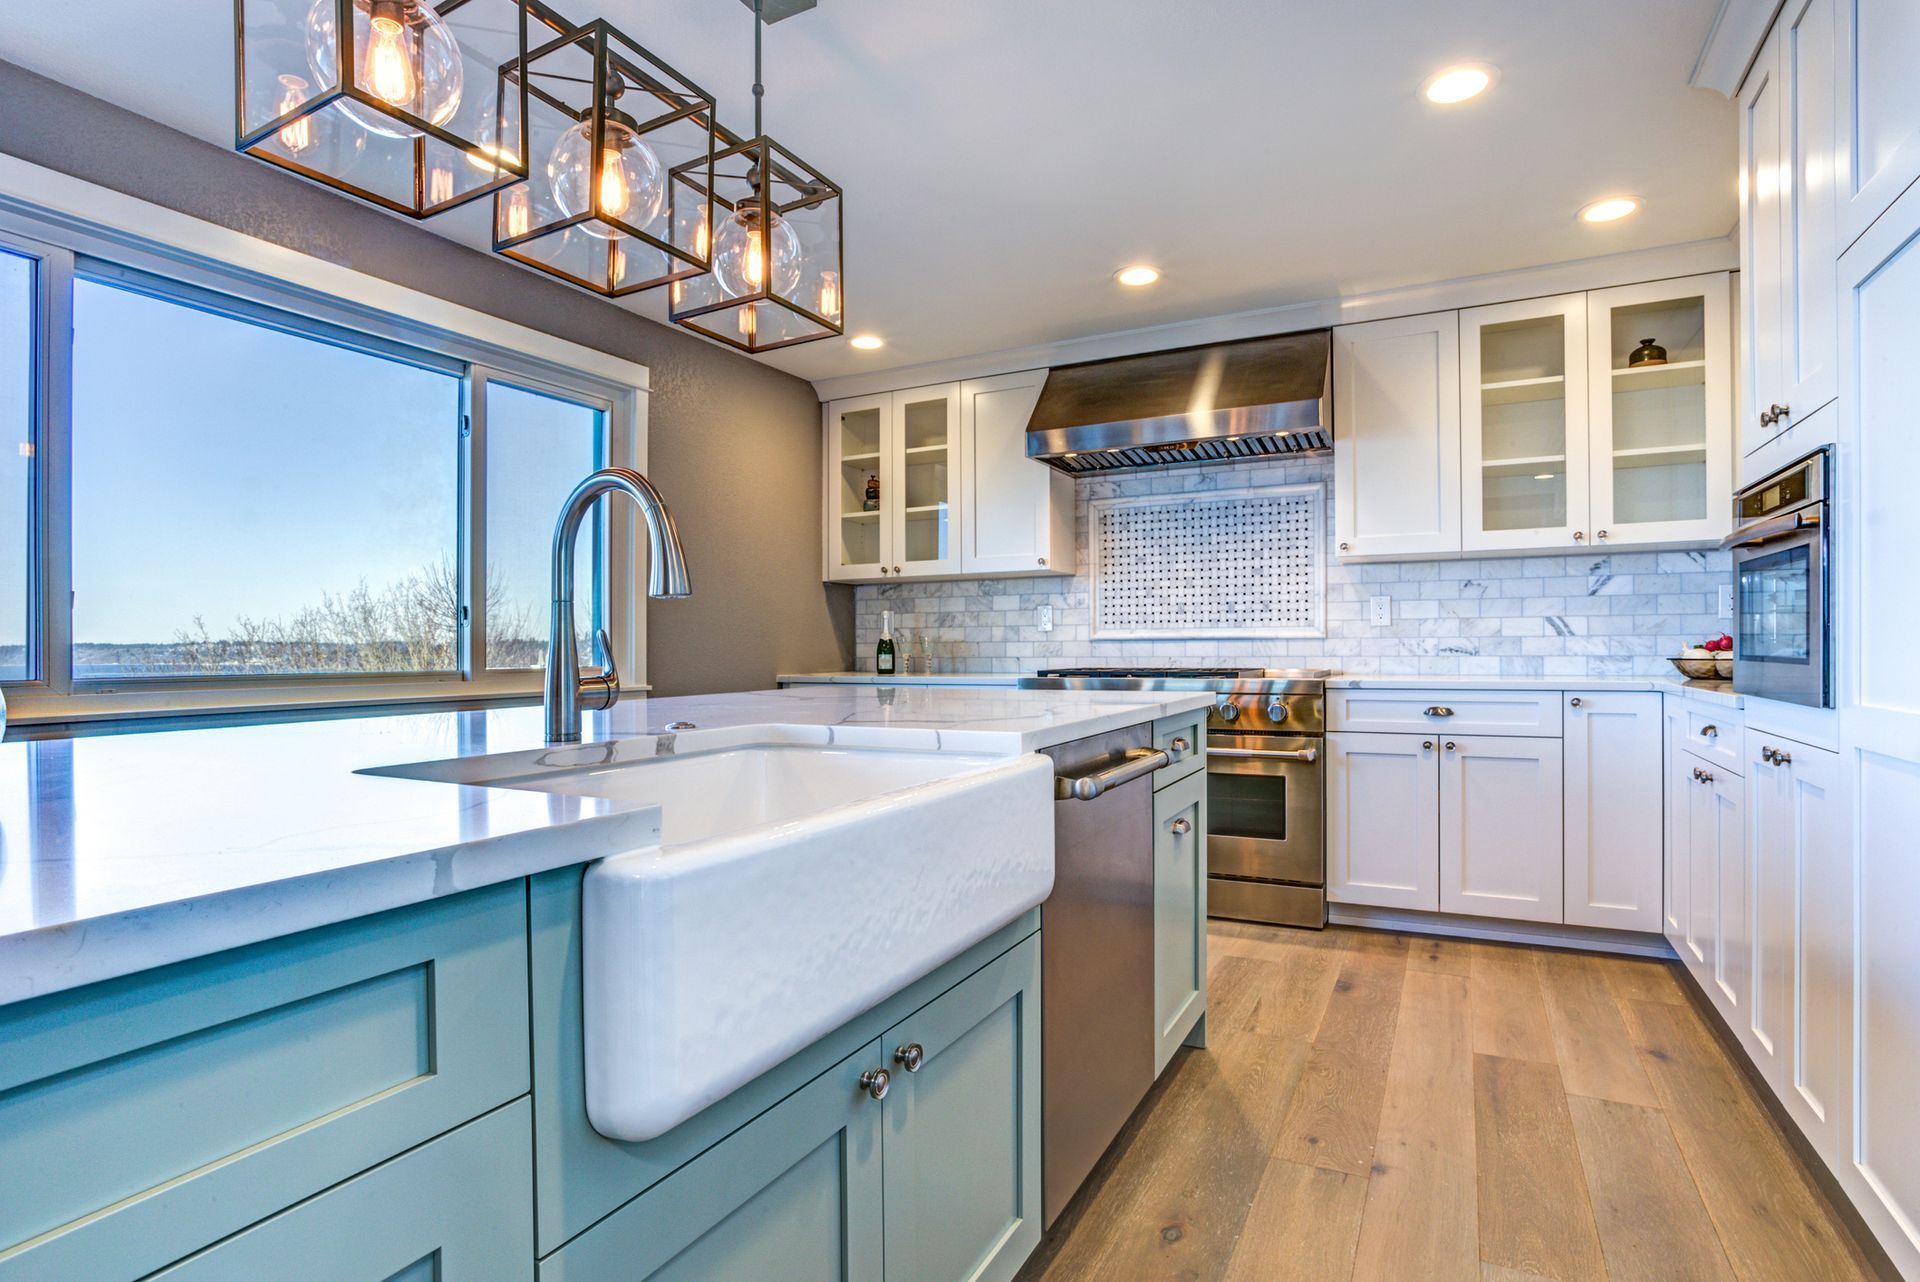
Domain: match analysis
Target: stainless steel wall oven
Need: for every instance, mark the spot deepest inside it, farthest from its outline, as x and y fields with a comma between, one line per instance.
x=1783, y=628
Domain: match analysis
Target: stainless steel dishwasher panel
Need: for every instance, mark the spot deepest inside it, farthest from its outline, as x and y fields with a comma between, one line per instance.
x=1096, y=961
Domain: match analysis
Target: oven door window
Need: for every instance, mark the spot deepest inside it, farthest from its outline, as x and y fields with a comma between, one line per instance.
x=1776, y=607
x=1246, y=800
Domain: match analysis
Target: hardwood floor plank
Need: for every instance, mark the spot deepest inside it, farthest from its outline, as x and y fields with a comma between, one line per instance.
x=1335, y=1112
x=1651, y=1220
x=1302, y=1226
x=1420, y=1208
x=1773, y=1222
x=1509, y=1010
x=1499, y=1273
x=1533, y=1210
x=1642, y=979
x=1589, y=1034
x=1443, y=956
x=1293, y=1001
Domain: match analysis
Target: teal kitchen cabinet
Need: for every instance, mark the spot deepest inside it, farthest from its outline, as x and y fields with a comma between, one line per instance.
x=1179, y=914
x=454, y=1210
x=963, y=1128
x=915, y=1158
x=145, y=1117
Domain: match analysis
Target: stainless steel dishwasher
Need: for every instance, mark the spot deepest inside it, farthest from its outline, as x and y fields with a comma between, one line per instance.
x=1096, y=954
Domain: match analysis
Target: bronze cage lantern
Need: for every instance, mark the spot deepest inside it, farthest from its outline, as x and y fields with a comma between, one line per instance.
x=622, y=151
x=414, y=106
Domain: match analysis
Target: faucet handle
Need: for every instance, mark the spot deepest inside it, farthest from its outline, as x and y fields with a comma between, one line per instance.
x=602, y=690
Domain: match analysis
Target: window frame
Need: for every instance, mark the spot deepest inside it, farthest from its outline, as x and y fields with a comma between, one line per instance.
x=310, y=298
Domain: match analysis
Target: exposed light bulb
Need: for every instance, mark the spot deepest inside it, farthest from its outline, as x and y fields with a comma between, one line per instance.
x=439, y=186
x=703, y=233
x=750, y=321
x=830, y=295
x=296, y=135
x=388, y=67
x=516, y=213
x=632, y=185
x=616, y=264
x=750, y=257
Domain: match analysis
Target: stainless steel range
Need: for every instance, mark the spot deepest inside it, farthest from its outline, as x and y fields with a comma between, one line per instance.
x=1266, y=848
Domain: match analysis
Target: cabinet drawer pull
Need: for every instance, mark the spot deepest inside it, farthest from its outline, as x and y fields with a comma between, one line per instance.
x=876, y=1082
x=1439, y=712
x=1709, y=732
x=1181, y=827
x=1180, y=743
x=1574, y=702
x=911, y=1056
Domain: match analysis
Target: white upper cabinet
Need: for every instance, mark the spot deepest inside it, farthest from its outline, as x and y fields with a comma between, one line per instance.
x=1396, y=414
x=1523, y=424
x=1660, y=433
x=1879, y=108
x=1788, y=292
x=1017, y=514
x=934, y=483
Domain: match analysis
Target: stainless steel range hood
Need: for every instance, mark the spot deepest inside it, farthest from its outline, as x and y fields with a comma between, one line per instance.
x=1256, y=398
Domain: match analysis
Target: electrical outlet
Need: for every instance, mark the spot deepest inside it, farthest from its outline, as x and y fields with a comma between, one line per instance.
x=1043, y=618
x=1382, y=610
x=1726, y=600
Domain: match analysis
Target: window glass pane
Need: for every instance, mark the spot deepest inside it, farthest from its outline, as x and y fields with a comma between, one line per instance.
x=248, y=501
x=538, y=449
x=16, y=460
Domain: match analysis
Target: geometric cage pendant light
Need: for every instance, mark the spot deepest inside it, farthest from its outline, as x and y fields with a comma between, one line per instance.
x=621, y=153
x=414, y=106
x=777, y=277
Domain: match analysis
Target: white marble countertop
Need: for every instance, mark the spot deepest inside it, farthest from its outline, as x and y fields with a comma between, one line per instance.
x=1717, y=692
x=1006, y=680
x=121, y=853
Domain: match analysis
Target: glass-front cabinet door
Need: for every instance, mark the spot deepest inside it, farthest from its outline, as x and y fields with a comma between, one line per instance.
x=1523, y=445
x=860, y=498
x=1660, y=417
x=925, y=433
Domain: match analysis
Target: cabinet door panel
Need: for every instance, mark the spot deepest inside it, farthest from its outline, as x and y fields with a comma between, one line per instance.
x=1705, y=818
x=1396, y=464
x=1614, y=817
x=1768, y=1029
x=925, y=437
x=1879, y=101
x=1017, y=513
x=1762, y=296
x=859, y=447
x=794, y=1194
x=1726, y=839
x=1809, y=281
x=1679, y=865
x=1383, y=820
x=962, y=1169
x=1500, y=827
x=1822, y=1061
x=1179, y=913
x=1523, y=424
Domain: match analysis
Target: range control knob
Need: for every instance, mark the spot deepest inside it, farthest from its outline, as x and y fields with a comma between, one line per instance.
x=1228, y=710
x=1277, y=711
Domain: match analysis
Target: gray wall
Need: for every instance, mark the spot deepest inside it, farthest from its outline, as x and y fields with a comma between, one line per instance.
x=734, y=446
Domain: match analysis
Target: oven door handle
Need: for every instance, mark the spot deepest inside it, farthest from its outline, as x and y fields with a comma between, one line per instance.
x=1308, y=755
x=1779, y=527
x=1143, y=761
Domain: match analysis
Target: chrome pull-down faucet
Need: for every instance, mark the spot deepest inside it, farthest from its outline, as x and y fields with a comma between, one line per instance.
x=566, y=689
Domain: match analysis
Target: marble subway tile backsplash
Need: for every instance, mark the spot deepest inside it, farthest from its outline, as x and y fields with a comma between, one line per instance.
x=1588, y=614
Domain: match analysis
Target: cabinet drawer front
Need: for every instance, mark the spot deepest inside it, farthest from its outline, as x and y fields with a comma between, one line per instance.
x=962, y=1146
x=1713, y=734
x=164, y=1111
x=795, y=1194
x=1184, y=738
x=1525, y=713
x=455, y=1210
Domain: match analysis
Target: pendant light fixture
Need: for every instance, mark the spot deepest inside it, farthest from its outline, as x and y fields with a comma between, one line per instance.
x=622, y=151
x=776, y=278
x=414, y=106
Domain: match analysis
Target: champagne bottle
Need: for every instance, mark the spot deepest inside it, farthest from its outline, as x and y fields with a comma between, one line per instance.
x=883, y=653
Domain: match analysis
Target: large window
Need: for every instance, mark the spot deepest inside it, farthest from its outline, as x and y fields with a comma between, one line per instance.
x=219, y=492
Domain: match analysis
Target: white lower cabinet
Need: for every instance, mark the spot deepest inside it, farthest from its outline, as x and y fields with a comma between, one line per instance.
x=1500, y=844
x=1614, y=819
x=1383, y=820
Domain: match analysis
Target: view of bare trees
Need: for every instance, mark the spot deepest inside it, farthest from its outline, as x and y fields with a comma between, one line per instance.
x=408, y=626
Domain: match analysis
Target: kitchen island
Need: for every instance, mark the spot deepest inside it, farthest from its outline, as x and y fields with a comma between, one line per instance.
x=270, y=986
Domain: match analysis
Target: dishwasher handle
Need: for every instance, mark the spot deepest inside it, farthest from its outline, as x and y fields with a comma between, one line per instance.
x=1308, y=755
x=1139, y=762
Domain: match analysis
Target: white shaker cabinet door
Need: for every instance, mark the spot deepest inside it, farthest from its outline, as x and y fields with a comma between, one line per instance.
x=1614, y=816
x=1879, y=108
x=1396, y=436
x=1017, y=513
x=1500, y=820
x=1383, y=820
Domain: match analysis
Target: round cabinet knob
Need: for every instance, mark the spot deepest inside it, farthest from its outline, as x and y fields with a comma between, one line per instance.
x=876, y=1082
x=896, y=569
x=884, y=570
x=1229, y=711
x=1710, y=732
x=1043, y=560
x=1781, y=413
x=1579, y=536
x=1706, y=776
x=1783, y=758
x=910, y=1057
x=1603, y=534
x=1181, y=827
x=1426, y=745
x=1344, y=547
x=1452, y=746
x=1180, y=743
x=1574, y=702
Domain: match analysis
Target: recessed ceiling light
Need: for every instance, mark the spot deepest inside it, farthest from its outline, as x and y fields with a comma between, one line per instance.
x=868, y=342
x=1610, y=210
x=1137, y=275
x=1457, y=84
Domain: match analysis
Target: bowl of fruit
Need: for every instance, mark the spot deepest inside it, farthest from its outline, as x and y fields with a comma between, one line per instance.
x=1708, y=660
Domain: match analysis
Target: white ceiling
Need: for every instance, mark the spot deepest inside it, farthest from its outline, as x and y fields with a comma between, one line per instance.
x=1002, y=158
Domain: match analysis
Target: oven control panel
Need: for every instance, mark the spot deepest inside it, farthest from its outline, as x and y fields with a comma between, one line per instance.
x=1262, y=712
